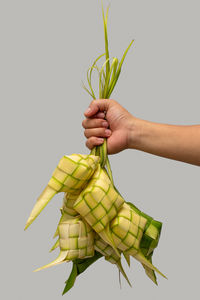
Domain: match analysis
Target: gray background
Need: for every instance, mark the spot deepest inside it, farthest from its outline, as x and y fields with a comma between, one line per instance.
x=46, y=48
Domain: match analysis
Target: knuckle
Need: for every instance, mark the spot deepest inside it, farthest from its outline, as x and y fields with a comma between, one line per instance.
x=91, y=142
x=92, y=102
x=113, y=102
x=87, y=144
x=85, y=133
x=83, y=123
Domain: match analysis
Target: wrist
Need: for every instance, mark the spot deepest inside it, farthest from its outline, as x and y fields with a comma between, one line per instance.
x=134, y=133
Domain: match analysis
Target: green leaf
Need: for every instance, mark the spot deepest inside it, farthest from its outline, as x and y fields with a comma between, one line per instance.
x=105, y=21
x=150, y=273
x=109, y=171
x=110, y=79
x=72, y=277
x=102, y=79
x=83, y=264
x=86, y=89
x=119, y=70
x=79, y=266
x=89, y=81
x=89, y=77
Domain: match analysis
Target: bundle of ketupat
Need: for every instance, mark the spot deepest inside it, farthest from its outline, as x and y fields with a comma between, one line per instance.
x=95, y=219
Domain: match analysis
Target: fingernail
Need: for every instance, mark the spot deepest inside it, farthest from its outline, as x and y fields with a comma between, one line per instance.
x=104, y=124
x=108, y=132
x=88, y=110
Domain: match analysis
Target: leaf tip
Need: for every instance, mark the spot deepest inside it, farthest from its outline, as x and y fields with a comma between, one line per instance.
x=26, y=226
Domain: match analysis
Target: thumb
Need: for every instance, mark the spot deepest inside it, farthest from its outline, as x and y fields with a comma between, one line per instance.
x=97, y=106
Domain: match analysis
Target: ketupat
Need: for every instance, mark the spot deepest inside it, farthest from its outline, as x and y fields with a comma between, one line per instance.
x=71, y=174
x=127, y=229
x=76, y=240
x=91, y=202
x=149, y=240
x=99, y=203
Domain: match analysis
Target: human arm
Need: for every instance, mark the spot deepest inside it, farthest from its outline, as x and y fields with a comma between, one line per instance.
x=178, y=142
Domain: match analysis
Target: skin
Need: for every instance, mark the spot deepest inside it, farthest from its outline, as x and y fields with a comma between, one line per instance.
x=105, y=118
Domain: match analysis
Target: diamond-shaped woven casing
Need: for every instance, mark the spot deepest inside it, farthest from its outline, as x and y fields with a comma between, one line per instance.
x=151, y=234
x=76, y=237
x=99, y=202
x=127, y=229
x=106, y=250
x=68, y=203
x=73, y=172
x=149, y=242
x=151, y=237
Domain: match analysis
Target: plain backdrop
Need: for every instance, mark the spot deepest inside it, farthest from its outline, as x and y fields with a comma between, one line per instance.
x=46, y=49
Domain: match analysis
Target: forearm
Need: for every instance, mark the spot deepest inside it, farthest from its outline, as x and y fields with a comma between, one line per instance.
x=178, y=142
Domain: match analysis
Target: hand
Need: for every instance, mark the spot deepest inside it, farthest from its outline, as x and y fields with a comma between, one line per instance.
x=105, y=118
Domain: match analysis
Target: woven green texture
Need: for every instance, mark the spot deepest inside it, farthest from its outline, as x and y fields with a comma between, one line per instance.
x=73, y=172
x=99, y=202
x=68, y=203
x=67, y=210
x=106, y=250
x=149, y=241
x=127, y=228
x=76, y=237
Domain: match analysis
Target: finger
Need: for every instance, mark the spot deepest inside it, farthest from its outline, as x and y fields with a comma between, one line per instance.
x=97, y=132
x=96, y=106
x=94, y=123
x=94, y=141
x=100, y=115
